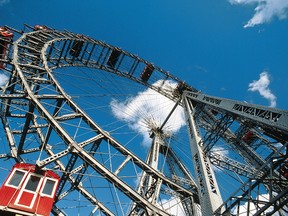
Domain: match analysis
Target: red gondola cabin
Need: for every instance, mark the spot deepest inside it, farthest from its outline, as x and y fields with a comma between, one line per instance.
x=28, y=191
x=40, y=27
x=147, y=72
x=5, y=38
x=113, y=58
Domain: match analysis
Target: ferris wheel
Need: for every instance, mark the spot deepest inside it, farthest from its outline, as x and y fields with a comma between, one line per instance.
x=91, y=129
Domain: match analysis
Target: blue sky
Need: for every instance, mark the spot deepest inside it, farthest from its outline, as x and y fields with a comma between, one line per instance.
x=227, y=48
x=206, y=43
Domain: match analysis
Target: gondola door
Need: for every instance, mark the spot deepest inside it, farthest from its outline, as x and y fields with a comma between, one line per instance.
x=28, y=193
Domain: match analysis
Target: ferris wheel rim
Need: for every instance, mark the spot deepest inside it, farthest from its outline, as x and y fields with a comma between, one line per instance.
x=213, y=112
x=47, y=68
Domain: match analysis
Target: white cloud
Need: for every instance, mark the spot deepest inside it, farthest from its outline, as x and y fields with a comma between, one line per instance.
x=243, y=209
x=3, y=79
x=262, y=86
x=147, y=108
x=173, y=207
x=265, y=10
x=220, y=150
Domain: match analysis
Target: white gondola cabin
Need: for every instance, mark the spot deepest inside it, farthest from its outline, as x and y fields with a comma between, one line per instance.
x=28, y=191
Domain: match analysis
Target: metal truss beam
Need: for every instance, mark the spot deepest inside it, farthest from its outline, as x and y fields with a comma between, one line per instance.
x=76, y=148
x=37, y=53
x=269, y=117
x=220, y=160
x=208, y=191
x=244, y=192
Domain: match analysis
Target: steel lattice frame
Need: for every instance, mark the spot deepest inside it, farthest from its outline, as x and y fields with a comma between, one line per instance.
x=34, y=97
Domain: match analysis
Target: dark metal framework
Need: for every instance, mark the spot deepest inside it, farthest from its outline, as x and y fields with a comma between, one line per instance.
x=34, y=99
